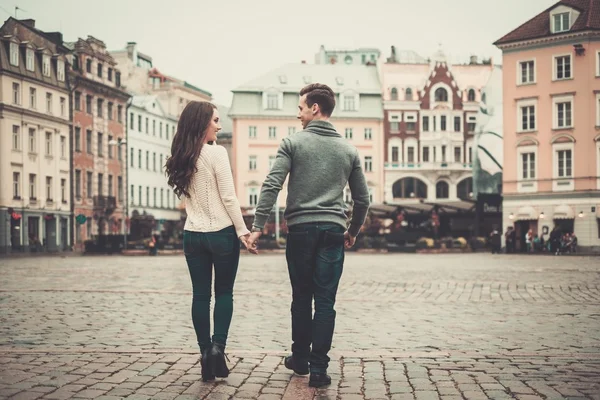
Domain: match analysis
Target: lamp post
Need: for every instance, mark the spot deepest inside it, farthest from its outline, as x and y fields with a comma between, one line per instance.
x=123, y=142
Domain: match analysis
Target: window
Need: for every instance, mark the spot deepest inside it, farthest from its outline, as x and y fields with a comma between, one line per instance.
x=368, y=164
x=63, y=190
x=528, y=165
x=253, y=197
x=110, y=185
x=411, y=122
x=32, y=143
x=161, y=165
x=160, y=124
x=60, y=70
x=49, y=188
x=394, y=94
x=408, y=95
x=291, y=130
x=99, y=70
x=147, y=125
x=109, y=111
x=349, y=103
x=100, y=144
x=563, y=113
x=370, y=195
x=16, y=185
x=527, y=69
x=110, y=74
x=147, y=160
x=139, y=123
x=139, y=195
x=443, y=154
x=406, y=188
x=527, y=118
x=100, y=184
x=272, y=101
x=394, y=123
x=153, y=127
x=88, y=65
x=132, y=195
x=63, y=106
x=561, y=22
x=131, y=156
x=168, y=201
x=368, y=134
x=443, y=123
x=410, y=154
x=131, y=120
x=394, y=153
x=14, y=54
x=77, y=139
x=442, y=190
x=49, y=103
x=120, y=114
x=565, y=169
x=562, y=67
x=457, y=154
x=441, y=95
x=272, y=132
x=110, y=146
x=252, y=163
x=426, y=154
x=63, y=147
x=88, y=104
x=88, y=141
x=30, y=60
x=457, y=125
x=348, y=133
x=48, y=143
x=119, y=151
x=167, y=131
x=77, y=101
x=271, y=161
x=425, y=124
x=100, y=108
x=154, y=162
x=78, y=183
x=46, y=65
x=470, y=155
x=32, y=98
x=16, y=138
x=32, y=185
x=139, y=158
x=162, y=194
x=154, y=196
x=16, y=93
x=89, y=183
x=471, y=95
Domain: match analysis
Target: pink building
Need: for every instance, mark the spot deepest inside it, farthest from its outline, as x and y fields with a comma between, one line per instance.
x=551, y=86
x=264, y=111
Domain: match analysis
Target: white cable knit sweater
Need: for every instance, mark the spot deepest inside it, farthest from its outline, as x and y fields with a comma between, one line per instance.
x=212, y=204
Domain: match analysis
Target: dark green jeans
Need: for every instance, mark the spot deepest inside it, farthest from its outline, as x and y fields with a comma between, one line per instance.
x=315, y=256
x=203, y=251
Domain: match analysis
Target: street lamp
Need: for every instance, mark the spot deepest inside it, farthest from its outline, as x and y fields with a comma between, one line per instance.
x=123, y=142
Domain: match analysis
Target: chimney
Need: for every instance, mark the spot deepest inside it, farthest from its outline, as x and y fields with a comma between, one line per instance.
x=473, y=60
x=56, y=37
x=29, y=22
x=131, y=49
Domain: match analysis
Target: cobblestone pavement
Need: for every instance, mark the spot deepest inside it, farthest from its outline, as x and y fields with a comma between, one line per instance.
x=472, y=326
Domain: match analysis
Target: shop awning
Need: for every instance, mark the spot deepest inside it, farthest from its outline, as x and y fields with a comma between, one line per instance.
x=526, y=213
x=563, y=212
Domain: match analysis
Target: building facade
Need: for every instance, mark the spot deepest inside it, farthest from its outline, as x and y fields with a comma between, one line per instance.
x=34, y=144
x=430, y=114
x=149, y=140
x=264, y=111
x=99, y=140
x=360, y=56
x=551, y=105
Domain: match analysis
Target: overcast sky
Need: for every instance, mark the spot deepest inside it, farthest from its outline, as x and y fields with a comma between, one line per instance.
x=220, y=44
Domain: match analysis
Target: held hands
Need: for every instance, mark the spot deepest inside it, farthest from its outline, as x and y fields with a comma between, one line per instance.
x=250, y=241
x=349, y=240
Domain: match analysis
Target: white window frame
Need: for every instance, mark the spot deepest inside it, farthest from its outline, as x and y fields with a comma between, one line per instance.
x=561, y=184
x=553, y=21
x=33, y=98
x=520, y=72
x=14, y=54
x=555, y=102
x=49, y=189
x=411, y=117
x=368, y=164
x=48, y=142
x=428, y=122
x=471, y=119
x=422, y=153
x=433, y=102
x=16, y=184
x=395, y=142
x=33, y=186
x=527, y=185
x=291, y=130
x=268, y=95
x=520, y=105
x=368, y=133
x=252, y=132
x=252, y=196
x=598, y=64
x=46, y=65
x=16, y=137
x=460, y=156
x=555, y=58
x=32, y=140
x=252, y=163
x=30, y=59
x=60, y=70
x=349, y=133
x=63, y=147
x=49, y=102
x=530, y=173
x=16, y=93
x=63, y=106
x=395, y=117
x=355, y=102
x=415, y=145
x=272, y=132
x=461, y=125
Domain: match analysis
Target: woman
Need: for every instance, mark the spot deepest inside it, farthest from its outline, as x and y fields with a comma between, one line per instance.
x=199, y=170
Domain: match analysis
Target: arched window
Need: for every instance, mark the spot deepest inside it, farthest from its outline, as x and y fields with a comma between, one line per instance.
x=441, y=95
x=394, y=94
x=408, y=94
x=471, y=95
x=441, y=190
x=464, y=188
x=407, y=188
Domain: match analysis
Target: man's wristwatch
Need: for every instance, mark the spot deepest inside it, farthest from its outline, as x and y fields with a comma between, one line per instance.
x=255, y=229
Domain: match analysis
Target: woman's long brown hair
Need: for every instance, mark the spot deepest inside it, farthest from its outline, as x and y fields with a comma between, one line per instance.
x=187, y=144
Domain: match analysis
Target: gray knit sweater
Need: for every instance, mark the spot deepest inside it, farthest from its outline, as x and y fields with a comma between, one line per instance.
x=320, y=163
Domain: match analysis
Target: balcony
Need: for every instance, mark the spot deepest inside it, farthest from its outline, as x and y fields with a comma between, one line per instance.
x=105, y=202
x=428, y=165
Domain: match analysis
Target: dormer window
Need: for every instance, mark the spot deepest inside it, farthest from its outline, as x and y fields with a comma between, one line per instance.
x=408, y=94
x=46, y=65
x=88, y=66
x=272, y=100
x=441, y=95
x=561, y=22
x=394, y=94
x=60, y=70
x=471, y=95
x=30, y=60
x=14, y=54
x=350, y=101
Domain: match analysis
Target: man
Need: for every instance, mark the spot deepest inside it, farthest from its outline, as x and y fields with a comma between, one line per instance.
x=320, y=164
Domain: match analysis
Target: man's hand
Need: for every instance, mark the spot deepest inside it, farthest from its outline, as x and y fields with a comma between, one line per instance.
x=244, y=239
x=253, y=242
x=349, y=240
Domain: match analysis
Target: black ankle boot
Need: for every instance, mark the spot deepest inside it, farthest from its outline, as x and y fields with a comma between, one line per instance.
x=216, y=356
x=207, y=373
x=318, y=380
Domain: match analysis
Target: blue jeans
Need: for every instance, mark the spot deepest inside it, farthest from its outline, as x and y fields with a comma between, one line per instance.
x=315, y=256
x=203, y=250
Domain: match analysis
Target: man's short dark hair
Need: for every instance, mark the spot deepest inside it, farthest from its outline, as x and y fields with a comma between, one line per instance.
x=320, y=94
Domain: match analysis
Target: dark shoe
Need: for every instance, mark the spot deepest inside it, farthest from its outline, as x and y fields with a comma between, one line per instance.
x=216, y=357
x=301, y=368
x=319, y=380
x=207, y=374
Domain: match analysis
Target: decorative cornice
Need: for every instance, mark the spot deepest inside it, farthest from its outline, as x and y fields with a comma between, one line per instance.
x=550, y=40
x=34, y=114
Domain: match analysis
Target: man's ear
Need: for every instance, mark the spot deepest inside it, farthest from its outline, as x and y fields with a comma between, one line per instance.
x=315, y=108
